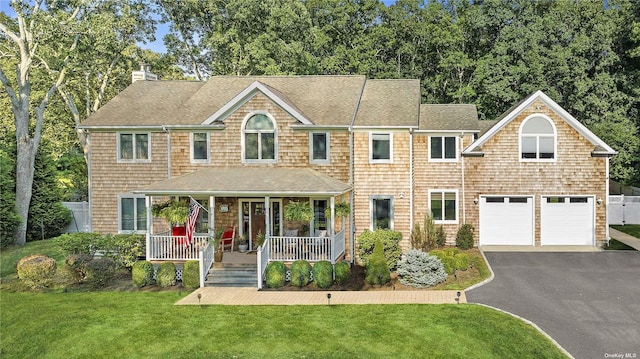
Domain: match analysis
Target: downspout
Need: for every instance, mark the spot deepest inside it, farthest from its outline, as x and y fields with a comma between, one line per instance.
x=411, y=180
x=464, y=207
x=352, y=224
x=89, y=181
x=168, y=132
x=606, y=203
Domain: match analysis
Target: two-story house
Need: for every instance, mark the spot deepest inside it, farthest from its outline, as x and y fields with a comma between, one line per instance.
x=244, y=147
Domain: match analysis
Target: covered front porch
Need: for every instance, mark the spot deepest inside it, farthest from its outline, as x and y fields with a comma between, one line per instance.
x=251, y=202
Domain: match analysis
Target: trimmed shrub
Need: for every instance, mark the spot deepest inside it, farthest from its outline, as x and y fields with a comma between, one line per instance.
x=300, y=273
x=323, y=274
x=100, y=272
x=191, y=275
x=142, y=274
x=464, y=237
x=275, y=274
x=124, y=249
x=166, y=275
x=419, y=269
x=377, y=272
x=424, y=238
x=76, y=266
x=36, y=271
x=390, y=243
x=343, y=270
x=452, y=259
x=80, y=243
x=441, y=236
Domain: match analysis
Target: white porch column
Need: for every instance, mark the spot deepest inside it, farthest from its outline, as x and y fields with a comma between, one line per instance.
x=147, y=200
x=212, y=214
x=332, y=204
x=267, y=219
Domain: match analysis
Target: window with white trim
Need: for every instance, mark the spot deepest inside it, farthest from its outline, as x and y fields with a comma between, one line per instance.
x=132, y=214
x=200, y=147
x=381, y=212
x=380, y=147
x=259, y=139
x=319, y=147
x=133, y=147
x=443, y=148
x=444, y=206
x=537, y=139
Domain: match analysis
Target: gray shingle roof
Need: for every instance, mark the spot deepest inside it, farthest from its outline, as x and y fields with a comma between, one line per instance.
x=448, y=117
x=249, y=181
x=389, y=103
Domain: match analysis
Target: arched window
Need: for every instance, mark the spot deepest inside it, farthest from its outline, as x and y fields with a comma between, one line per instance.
x=537, y=139
x=259, y=139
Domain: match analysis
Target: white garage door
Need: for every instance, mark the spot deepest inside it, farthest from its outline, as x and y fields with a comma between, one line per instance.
x=506, y=220
x=566, y=220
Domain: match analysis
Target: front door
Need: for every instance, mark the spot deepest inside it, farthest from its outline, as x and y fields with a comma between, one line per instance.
x=253, y=219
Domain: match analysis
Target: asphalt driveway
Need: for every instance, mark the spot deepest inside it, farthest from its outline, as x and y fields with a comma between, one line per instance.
x=588, y=302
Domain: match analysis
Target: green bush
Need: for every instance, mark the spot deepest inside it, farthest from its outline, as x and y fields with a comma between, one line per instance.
x=100, y=272
x=419, y=269
x=300, y=273
x=452, y=259
x=343, y=271
x=36, y=271
x=390, y=241
x=142, y=274
x=323, y=274
x=464, y=237
x=80, y=243
x=377, y=271
x=424, y=238
x=76, y=266
x=191, y=275
x=9, y=219
x=124, y=249
x=166, y=275
x=441, y=236
x=275, y=274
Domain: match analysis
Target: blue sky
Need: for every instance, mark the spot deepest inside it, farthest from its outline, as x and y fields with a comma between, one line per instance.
x=161, y=29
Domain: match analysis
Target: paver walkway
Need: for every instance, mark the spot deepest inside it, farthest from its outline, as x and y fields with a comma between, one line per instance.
x=629, y=240
x=252, y=296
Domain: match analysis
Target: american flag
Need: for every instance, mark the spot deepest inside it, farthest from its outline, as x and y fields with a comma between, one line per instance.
x=194, y=209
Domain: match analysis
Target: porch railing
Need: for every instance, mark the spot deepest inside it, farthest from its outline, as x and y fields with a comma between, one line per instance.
x=205, y=258
x=167, y=247
x=311, y=249
x=263, y=260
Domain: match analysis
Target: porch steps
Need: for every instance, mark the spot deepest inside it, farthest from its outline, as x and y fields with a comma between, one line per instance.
x=233, y=275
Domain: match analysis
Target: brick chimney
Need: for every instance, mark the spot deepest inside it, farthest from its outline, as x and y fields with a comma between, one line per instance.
x=144, y=74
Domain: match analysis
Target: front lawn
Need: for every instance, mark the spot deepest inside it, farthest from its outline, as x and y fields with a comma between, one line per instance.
x=148, y=324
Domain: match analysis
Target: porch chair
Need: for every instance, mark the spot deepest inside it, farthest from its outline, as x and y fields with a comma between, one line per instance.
x=228, y=238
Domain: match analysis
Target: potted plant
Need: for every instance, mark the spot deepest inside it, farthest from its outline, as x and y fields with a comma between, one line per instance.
x=342, y=209
x=259, y=240
x=175, y=212
x=298, y=211
x=243, y=244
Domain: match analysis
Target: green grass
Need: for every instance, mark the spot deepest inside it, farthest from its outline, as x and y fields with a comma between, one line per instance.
x=615, y=245
x=148, y=324
x=630, y=229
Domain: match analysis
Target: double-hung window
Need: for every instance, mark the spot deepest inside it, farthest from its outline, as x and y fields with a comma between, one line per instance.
x=442, y=148
x=260, y=139
x=537, y=139
x=444, y=206
x=380, y=147
x=132, y=214
x=133, y=147
x=200, y=147
x=381, y=212
x=319, y=147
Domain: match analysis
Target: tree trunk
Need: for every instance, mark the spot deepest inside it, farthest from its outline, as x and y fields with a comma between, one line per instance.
x=26, y=151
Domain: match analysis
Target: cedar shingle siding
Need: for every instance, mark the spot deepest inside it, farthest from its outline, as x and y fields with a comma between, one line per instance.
x=349, y=108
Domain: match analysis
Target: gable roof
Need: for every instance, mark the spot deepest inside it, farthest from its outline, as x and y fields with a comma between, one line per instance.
x=249, y=181
x=389, y=103
x=513, y=112
x=448, y=117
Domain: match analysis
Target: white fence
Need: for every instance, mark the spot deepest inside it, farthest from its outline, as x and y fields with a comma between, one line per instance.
x=205, y=259
x=81, y=222
x=167, y=247
x=624, y=209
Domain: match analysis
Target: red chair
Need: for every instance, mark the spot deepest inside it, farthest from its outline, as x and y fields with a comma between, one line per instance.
x=228, y=238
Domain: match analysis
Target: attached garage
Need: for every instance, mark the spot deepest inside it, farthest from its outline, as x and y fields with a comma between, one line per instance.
x=567, y=220
x=506, y=220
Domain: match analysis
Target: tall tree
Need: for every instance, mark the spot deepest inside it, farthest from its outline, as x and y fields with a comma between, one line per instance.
x=42, y=46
